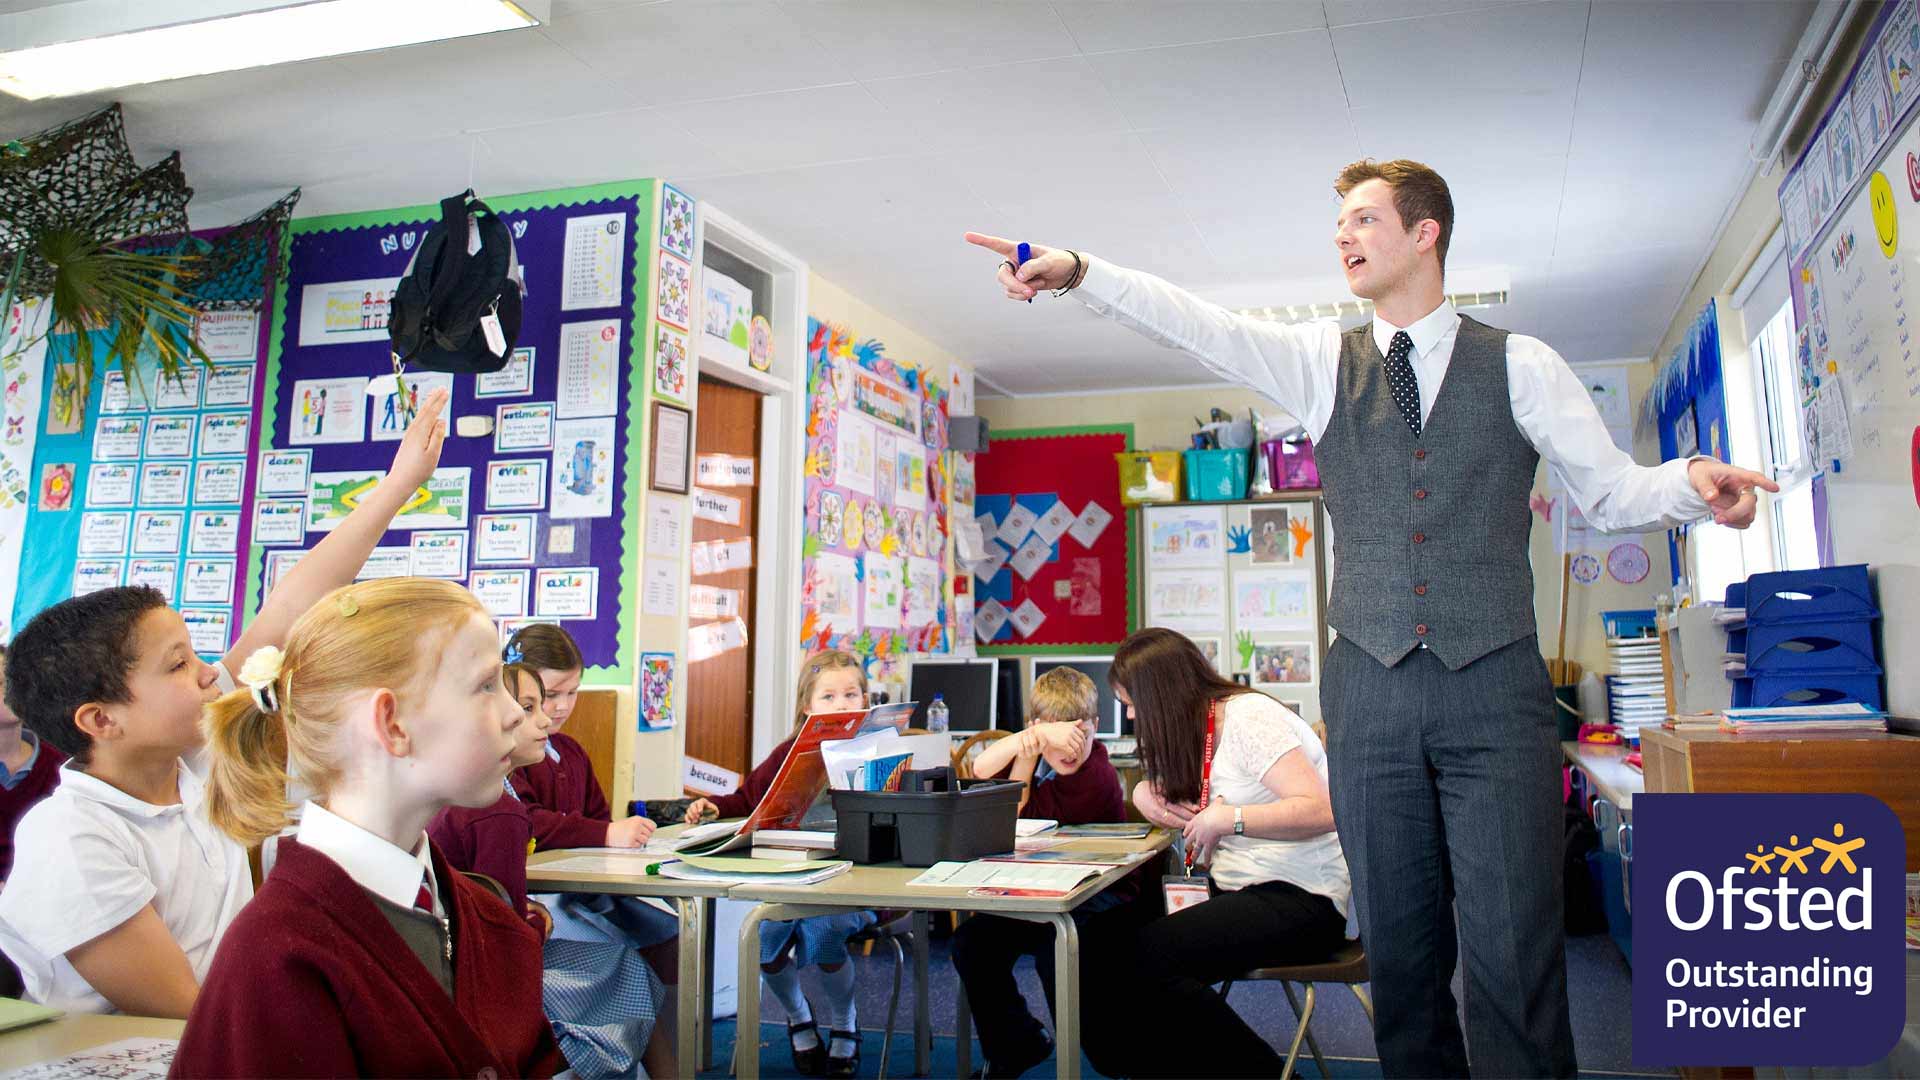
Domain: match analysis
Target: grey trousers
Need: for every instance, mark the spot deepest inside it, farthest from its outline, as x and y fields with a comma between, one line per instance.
x=1446, y=792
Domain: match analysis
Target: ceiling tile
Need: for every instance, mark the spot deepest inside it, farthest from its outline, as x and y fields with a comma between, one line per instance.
x=984, y=108
x=590, y=149
x=1232, y=81
x=799, y=127
x=661, y=53
x=1352, y=12
x=1529, y=52
x=882, y=38
x=1271, y=167
x=1108, y=25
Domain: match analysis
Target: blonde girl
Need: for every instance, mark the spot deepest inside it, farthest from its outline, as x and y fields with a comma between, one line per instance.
x=364, y=953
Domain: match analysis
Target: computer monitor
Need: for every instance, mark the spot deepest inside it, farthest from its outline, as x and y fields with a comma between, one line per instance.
x=1011, y=691
x=967, y=686
x=1112, y=719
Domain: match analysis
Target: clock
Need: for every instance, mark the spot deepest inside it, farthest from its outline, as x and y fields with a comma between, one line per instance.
x=1628, y=563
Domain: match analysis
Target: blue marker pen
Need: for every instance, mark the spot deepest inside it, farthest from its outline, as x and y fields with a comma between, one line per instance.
x=1021, y=255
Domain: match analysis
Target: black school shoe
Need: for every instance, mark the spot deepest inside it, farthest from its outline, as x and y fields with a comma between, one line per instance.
x=1032, y=1054
x=843, y=1066
x=812, y=1061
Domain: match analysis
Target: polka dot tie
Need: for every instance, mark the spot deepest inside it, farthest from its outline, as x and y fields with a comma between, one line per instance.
x=1406, y=389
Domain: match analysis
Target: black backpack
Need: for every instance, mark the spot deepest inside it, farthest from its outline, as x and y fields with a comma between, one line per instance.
x=439, y=304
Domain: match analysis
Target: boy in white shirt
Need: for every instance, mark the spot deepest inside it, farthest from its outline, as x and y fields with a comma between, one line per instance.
x=121, y=888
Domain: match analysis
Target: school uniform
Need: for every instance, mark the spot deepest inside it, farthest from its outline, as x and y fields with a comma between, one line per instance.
x=986, y=947
x=19, y=791
x=568, y=809
x=89, y=856
x=335, y=970
x=602, y=997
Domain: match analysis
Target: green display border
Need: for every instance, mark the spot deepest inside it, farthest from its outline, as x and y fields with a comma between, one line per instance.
x=645, y=194
x=1124, y=516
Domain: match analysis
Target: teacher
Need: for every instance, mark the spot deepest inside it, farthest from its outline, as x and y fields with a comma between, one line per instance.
x=1428, y=427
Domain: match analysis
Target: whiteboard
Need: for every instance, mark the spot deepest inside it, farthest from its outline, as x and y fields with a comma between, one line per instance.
x=1857, y=292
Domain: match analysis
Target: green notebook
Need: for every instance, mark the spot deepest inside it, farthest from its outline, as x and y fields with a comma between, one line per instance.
x=16, y=1014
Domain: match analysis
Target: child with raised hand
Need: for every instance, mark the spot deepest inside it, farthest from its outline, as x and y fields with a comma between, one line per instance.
x=605, y=1006
x=364, y=953
x=1070, y=780
x=830, y=682
x=120, y=890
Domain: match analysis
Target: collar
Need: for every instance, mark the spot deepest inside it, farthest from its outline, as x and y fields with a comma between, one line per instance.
x=375, y=865
x=553, y=753
x=1426, y=332
x=84, y=785
x=9, y=779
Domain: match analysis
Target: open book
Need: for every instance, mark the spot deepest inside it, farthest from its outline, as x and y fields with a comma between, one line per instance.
x=801, y=779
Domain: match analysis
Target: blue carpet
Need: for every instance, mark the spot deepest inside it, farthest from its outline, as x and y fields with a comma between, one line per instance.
x=776, y=1062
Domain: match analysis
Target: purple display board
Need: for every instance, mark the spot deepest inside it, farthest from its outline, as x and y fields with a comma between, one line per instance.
x=532, y=516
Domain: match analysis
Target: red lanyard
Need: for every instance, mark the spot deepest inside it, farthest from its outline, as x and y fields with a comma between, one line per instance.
x=1206, y=770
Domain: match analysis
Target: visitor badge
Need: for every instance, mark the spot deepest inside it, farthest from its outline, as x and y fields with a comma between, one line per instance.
x=1183, y=891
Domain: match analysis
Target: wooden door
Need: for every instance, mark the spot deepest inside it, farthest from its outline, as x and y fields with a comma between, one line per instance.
x=719, y=709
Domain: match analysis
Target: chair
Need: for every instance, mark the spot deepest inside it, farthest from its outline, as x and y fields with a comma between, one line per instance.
x=892, y=928
x=964, y=754
x=1347, y=965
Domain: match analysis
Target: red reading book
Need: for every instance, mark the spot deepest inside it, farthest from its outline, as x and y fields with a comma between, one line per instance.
x=801, y=779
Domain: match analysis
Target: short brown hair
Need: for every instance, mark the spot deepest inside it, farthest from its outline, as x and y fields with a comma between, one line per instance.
x=543, y=646
x=1063, y=694
x=1418, y=194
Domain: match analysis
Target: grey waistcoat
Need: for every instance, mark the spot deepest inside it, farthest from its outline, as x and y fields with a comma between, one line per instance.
x=1429, y=531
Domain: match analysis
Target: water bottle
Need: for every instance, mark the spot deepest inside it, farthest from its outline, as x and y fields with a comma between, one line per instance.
x=937, y=714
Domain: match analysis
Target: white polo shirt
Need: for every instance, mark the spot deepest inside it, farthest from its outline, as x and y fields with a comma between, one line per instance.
x=89, y=856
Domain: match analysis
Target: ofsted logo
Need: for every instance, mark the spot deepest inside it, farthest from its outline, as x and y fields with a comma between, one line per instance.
x=1768, y=929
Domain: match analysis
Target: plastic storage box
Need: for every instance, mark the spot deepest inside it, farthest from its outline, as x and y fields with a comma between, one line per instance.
x=1149, y=476
x=1808, y=639
x=1291, y=465
x=1217, y=475
x=941, y=820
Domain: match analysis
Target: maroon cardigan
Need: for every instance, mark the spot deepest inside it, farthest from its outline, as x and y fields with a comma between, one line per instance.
x=758, y=782
x=17, y=800
x=564, y=800
x=492, y=841
x=311, y=980
x=1090, y=795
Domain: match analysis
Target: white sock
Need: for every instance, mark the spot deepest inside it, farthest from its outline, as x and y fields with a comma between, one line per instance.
x=784, y=987
x=837, y=997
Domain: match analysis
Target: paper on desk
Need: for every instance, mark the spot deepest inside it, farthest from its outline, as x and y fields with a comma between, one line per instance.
x=628, y=862
x=19, y=1014
x=684, y=872
x=1055, y=877
x=128, y=1059
x=1031, y=826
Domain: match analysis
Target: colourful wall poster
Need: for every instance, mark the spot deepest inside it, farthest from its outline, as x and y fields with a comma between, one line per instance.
x=656, y=691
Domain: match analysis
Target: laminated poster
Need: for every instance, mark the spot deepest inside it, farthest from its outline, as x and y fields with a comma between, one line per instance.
x=329, y=411
x=656, y=691
x=393, y=410
x=502, y=592
x=572, y=593
x=583, y=468
x=589, y=365
x=503, y=538
x=660, y=587
x=439, y=554
x=590, y=268
x=517, y=485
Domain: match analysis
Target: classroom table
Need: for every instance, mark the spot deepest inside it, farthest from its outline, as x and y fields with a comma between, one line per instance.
x=75, y=1032
x=885, y=886
x=1607, y=772
x=693, y=901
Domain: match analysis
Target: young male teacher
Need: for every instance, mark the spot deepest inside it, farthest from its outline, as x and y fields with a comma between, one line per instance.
x=1428, y=426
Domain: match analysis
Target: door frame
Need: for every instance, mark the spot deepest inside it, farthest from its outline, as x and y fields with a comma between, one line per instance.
x=777, y=580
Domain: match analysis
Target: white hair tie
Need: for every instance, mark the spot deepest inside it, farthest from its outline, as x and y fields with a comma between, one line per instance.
x=261, y=675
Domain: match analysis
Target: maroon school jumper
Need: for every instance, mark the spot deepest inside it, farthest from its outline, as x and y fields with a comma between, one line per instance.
x=18, y=799
x=758, y=783
x=492, y=841
x=564, y=800
x=311, y=980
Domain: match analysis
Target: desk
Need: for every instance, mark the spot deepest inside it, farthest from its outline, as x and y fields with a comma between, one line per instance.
x=1607, y=772
x=76, y=1032
x=693, y=901
x=885, y=886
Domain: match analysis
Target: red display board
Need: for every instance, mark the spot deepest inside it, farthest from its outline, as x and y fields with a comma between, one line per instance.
x=1082, y=591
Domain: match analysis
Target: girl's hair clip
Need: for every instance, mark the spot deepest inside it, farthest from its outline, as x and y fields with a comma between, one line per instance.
x=349, y=607
x=512, y=654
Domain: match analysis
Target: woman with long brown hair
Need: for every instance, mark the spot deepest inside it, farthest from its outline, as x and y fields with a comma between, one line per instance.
x=1245, y=780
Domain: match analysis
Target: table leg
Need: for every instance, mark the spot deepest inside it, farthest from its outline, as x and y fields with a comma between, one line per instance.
x=1066, y=992
x=746, y=1039
x=688, y=997
x=962, y=1030
x=708, y=910
x=923, y=1009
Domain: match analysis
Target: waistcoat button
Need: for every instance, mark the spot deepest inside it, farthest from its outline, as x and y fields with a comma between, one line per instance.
x=1419, y=493
x=1419, y=455
x=1419, y=538
x=1421, y=629
x=1419, y=590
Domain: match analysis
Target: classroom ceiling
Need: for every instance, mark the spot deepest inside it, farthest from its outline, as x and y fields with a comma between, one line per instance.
x=1592, y=147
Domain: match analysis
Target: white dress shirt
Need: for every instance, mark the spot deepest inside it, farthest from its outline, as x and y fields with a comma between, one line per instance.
x=1297, y=367
x=374, y=864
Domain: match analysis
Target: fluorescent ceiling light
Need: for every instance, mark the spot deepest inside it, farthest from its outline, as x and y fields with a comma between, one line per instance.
x=1342, y=309
x=260, y=38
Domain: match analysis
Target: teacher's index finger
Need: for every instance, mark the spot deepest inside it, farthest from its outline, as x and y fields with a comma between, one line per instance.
x=1003, y=248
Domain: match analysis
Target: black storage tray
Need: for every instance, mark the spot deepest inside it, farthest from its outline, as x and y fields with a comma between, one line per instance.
x=920, y=828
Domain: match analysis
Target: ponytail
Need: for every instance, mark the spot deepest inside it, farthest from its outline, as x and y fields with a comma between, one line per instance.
x=247, y=781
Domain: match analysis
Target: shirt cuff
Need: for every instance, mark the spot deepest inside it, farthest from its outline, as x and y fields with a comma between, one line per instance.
x=1099, y=284
x=1686, y=503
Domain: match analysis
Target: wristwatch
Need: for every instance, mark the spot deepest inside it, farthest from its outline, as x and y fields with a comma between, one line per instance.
x=1239, y=822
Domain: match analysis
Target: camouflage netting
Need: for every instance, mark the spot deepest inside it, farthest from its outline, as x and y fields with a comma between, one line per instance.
x=232, y=272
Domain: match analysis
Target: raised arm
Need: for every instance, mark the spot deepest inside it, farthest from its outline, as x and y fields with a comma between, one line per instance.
x=335, y=560
x=1294, y=366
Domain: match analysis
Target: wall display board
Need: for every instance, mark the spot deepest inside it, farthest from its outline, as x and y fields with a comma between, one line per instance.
x=1059, y=569
x=1245, y=582
x=875, y=552
x=533, y=516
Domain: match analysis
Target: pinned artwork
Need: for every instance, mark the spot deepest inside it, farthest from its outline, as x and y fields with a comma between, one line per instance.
x=656, y=691
x=670, y=363
x=675, y=295
x=676, y=221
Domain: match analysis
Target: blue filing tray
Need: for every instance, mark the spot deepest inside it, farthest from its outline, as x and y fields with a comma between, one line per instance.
x=1759, y=689
x=1786, y=648
x=1216, y=475
x=1737, y=642
x=1629, y=623
x=1801, y=596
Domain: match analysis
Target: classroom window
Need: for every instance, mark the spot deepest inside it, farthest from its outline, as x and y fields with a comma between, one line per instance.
x=1793, y=541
